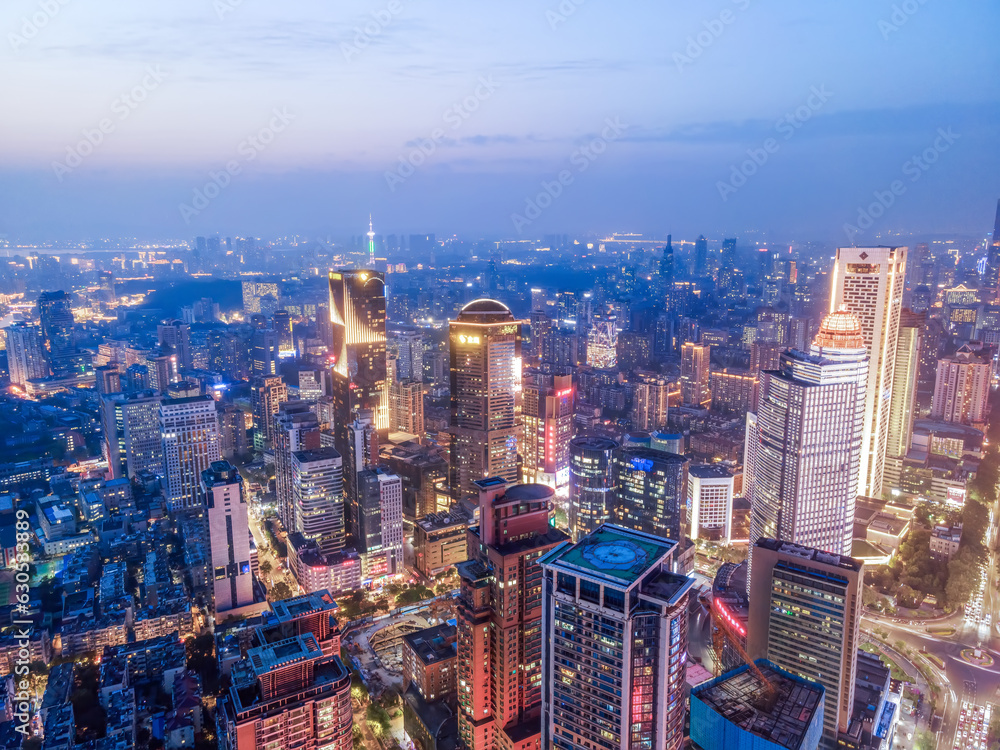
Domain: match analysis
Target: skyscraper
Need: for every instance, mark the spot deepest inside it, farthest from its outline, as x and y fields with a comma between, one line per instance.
x=591, y=483
x=805, y=450
x=406, y=407
x=190, y=433
x=25, y=353
x=695, y=361
x=56, y=314
x=547, y=410
x=130, y=425
x=408, y=346
x=650, y=403
x=318, y=495
x=358, y=377
x=805, y=614
x=869, y=282
x=615, y=631
x=228, y=536
x=710, y=502
x=650, y=491
x=264, y=344
x=296, y=428
x=175, y=335
x=602, y=342
x=500, y=640
x=485, y=375
x=266, y=395
x=992, y=279
x=962, y=388
x=380, y=523
x=904, y=393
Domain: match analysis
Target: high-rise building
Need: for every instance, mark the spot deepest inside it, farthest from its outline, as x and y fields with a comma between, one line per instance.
x=266, y=395
x=650, y=491
x=734, y=391
x=695, y=360
x=650, y=401
x=602, y=342
x=408, y=346
x=55, y=311
x=255, y=291
x=25, y=353
x=485, y=376
x=264, y=344
x=107, y=378
x=869, y=282
x=541, y=336
x=406, y=407
x=904, y=394
x=281, y=321
x=358, y=377
x=547, y=411
x=130, y=425
x=805, y=615
x=615, y=631
x=710, y=502
x=805, y=450
x=296, y=428
x=962, y=388
x=992, y=277
x=318, y=496
x=162, y=368
x=190, y=431
x=175, y=335
x=380, y=523
x=500, y=639
x=228, y=536
x=591, y=483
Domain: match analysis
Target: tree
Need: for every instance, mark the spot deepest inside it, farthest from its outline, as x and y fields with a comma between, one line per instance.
x=265, y=567
x=280, y=590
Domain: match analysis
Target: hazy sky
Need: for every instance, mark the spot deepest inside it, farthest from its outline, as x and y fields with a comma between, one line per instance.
x=637, y=114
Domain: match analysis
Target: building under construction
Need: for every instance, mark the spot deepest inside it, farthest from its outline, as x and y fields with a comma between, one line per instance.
x=757, y=707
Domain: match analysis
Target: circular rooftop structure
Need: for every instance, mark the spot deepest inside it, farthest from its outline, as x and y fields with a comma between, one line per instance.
x=485, y=311
x=527, y=493
x=840, y=330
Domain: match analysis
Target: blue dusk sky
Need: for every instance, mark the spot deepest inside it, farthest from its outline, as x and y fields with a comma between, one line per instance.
x=498, y=118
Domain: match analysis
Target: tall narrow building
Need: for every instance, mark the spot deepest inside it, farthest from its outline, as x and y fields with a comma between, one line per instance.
x=25, y=353
x=190, y=431
x=380, y=523
x=591, y=483
x=228, y=536
x=358, y=375
x=962, y=388
x=992, y=279
x=130, y=425
x=805, y=615
x=296, y=428
x=904, y=393
x=869, y=282
x=614, y=624
x=266, y=395
x=547, y=411
x=500, y=638
x=318, y=495
x=485, y=375
x=695, y=361
x=56, y=314
x=805, y=449
x=650, y=491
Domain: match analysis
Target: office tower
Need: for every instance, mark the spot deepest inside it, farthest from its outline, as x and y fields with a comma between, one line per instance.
x=591, y=483
x=734, y=391
x=380, y=523
x=130, y=427
x=962, y=388
x=190, y=433
x=107, y=379
x=700, y=256
x=263, y=353
x=137, y=378
x=358, y=349
x=310, y=385
x=408, y=346
x=228, y=536
x=485, y=375
x=406, y=407
x=25, y=353
x=281, y=322
x=175, y=337
x=772, y=326
x=904, y=393
x=805, y=613
x=232, y=432
x=295, y=428
x=56, y=314
x=266, y=395
x=992, y=278
x=615, y=628
x=602, y=342
x=634, y=350
x=869, y=282
x=254, y=294
x=361, y=451
x=695, y=359
x=547, y=411
x=650, y=401
x=764, y=356
x=804, y=452
x=162, y=369
x=541, y=337
x=710, y=503
x=667, y=264
x=318, y=496
x=500, y=639
x=650, y=491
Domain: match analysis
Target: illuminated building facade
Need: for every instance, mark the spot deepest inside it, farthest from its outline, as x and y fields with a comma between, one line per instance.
x=229, y=536
x=962, y=388
x=710, y=503
x=650, y=402
x=296, y=428
x=615, y=626
x=485, y=377
x=318, y=495
x=650, y=491
x=25, y=353
x=591, y=483
x=904, y=393
x=602, y=343
x=190, y=433
x=695, y=360
x=869, y=282
x=547, y=411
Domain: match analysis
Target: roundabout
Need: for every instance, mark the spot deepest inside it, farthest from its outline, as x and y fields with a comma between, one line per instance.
x=977, y=657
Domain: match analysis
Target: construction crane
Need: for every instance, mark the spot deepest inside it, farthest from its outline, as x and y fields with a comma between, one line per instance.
x=722, y=634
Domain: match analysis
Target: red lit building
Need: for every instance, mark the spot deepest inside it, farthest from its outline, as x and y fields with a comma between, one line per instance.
x=499, y=617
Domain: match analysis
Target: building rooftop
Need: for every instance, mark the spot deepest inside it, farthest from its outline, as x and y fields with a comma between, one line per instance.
x=811, y=554
x=432, y=645
x=710, y=471
x=274, y=655
x=738, y=697
x=612, y=552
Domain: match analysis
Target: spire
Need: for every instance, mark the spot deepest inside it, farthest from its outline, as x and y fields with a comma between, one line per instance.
x=371, y=243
